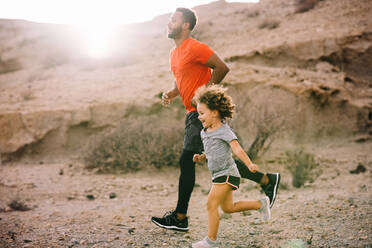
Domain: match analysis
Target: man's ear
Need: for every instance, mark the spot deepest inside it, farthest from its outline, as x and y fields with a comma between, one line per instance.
x=186, y=25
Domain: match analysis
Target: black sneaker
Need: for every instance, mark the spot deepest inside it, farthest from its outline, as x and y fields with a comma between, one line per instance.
x=271, y=189
x=170, y=221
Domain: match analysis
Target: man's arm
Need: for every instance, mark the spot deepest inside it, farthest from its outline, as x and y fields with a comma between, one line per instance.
x=220, y=69
x=168, y=96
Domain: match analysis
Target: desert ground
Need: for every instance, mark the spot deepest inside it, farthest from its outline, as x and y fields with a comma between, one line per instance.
x=71, y=206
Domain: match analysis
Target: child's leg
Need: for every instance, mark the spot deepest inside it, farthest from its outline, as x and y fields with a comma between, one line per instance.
x=216, y=196
x=228, y=206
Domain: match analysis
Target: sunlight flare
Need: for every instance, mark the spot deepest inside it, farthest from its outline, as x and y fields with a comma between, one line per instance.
x=96, y=40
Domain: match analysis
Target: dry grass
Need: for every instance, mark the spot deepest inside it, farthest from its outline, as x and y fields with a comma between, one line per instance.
x=264, y=123
x=18, y=205
x=9, y=65
x=136, y=143
x=27, y=95
x=305, y=5
x=269, y=24
x=148, y=136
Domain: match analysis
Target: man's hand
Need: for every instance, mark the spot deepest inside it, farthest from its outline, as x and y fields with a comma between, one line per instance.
x=199, y=158
x=165, y=99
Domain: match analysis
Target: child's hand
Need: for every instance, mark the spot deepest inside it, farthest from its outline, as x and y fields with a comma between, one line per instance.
x=253, y=168
x=199, y=158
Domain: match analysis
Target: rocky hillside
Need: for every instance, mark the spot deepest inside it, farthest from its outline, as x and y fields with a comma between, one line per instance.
x=311, y=66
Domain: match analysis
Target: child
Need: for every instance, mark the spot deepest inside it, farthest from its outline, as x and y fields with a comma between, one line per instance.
x=219, y=141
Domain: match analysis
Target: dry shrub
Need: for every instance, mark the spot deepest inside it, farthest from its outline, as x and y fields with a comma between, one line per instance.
x=302, y=166
x=18, y=205
x=269, y=24
x=137, y=142
x=27, y=95
x=9, y=65
x=305, y=5
x=253, y=13
x=265, y=123
x=54, y=60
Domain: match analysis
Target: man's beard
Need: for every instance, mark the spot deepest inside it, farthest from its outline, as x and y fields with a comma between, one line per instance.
x=175, y=32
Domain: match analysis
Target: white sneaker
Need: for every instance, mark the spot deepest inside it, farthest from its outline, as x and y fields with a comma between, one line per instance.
x=205, y=243
x=265, y=209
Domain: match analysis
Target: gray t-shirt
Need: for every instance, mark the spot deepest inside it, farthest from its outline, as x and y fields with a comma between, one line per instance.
x=218, y=151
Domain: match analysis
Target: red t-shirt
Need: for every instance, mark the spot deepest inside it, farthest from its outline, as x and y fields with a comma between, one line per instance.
x=188, y=66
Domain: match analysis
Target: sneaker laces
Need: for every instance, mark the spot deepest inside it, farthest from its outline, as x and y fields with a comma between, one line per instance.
x=168, y=217
x=169, y=213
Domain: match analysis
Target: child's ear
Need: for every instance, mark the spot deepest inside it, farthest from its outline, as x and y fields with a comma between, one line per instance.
x=215, y=113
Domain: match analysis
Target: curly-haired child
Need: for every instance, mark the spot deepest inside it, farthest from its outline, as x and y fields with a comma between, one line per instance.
x=214, y=107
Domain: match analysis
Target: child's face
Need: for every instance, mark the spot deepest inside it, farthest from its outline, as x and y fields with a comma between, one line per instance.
x=207, y=117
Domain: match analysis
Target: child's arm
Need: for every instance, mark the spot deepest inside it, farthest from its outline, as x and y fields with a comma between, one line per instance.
x=240, y=153
x=199, y=158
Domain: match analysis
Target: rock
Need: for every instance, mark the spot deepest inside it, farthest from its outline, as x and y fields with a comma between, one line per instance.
x=54, y=127
x=294, y=243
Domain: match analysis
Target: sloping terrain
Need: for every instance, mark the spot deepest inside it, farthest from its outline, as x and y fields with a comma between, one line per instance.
x=314, y=65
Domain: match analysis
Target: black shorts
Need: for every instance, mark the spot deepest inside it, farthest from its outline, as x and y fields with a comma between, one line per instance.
x=193, y=126
x=233, y=181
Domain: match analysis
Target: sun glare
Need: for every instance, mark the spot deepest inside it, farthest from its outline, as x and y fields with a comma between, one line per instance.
x=96, y=39
x=94, y=20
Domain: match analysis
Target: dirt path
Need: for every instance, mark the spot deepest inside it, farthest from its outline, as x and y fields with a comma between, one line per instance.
x=334, y=211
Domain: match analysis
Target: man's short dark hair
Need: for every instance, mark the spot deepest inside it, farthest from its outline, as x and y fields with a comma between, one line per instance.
x=188, y=16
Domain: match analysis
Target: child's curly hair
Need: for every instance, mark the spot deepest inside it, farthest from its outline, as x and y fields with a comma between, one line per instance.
x=216, y=99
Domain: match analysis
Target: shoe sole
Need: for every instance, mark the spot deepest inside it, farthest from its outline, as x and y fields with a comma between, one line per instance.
x=268, y=203
x=175, y=228
x=275, y=188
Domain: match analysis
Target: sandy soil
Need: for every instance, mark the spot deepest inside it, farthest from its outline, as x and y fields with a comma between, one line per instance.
x=334, y=211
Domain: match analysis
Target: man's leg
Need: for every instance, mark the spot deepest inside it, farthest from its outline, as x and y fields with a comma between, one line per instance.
x=177, y=220
x=186, y=182
x=257, y=177
x=269, y=182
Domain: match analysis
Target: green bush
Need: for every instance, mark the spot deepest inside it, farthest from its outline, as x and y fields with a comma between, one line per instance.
x=302, y=166
x=137, y=142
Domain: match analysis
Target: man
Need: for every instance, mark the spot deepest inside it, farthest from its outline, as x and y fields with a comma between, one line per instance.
x=194, y=64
